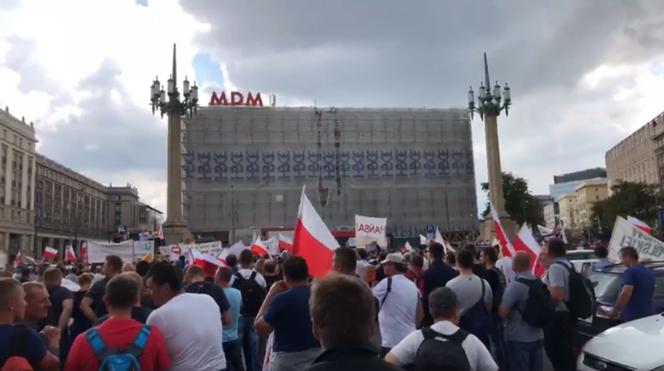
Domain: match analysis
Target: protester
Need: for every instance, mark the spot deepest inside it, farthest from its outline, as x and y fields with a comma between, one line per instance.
x=635, y=299
x=525, y=347
x=442, y=346
x=416, y=272
x=120, y=334
x=142, y=268
x=38, y=305
x=505, y=266
x=286, y=312
x=80, y=321
x=362, y=262
x=73, y=275
x=191, y=323
x=92, y=304
x=270, y=273
x=496, y=279
x=345, y=339
x=478, y=268
x=252, y=285
x=231, y=339
x=559, y=334
x=345, y=262
x=62, y=300
x=474, y=295
x=602, y=254
x=139, y=313
x=195, y=277
x=438, y=274
x=400, y=306
x=231, y=262
x=19, y=340
x=450, y=259
x=128, y=267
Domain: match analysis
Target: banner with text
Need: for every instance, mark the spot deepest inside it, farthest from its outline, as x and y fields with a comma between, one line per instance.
x=174, y=251
x=626, y=234
x=368, y=230
x=98, y=250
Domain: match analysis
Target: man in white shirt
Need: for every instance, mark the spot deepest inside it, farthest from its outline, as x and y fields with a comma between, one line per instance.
x=444, y=308
x=400, y=305
x=190, y=323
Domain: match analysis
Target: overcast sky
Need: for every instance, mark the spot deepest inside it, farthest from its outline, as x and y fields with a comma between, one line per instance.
x=584, y=74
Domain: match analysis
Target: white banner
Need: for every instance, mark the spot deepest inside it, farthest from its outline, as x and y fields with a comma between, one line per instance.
x=369, y=230
x=626, y=234
x=174, y=251
x=98, y=250
x=144, y=250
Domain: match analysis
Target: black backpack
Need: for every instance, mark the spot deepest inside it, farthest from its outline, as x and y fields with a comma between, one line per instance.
x=581, y=293
x=437, y=354
x=477, y=319
x=540, y=308
x=253, y=294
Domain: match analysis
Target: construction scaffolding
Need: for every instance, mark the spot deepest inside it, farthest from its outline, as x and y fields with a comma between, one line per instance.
x=244, y=168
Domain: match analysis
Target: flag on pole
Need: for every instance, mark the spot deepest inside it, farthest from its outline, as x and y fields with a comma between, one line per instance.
x=505, y=245
x=84, y=251
x=259, y=248
x=18, y=260
x=285, y=243
x=207, y=262
x=526, y=242
x=50, y=253
x=312, y=239
x=70, y=254
x=643, y=226
x=423, y=240
x=407, y=248
x=160, y=232
x=546, y=232
x=563, y=235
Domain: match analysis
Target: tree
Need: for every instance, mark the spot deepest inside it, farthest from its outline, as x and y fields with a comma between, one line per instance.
x=639, y=200
x=519, y=203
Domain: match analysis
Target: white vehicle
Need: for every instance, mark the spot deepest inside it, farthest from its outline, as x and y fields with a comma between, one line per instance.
x=582, y=260
x=635, y=345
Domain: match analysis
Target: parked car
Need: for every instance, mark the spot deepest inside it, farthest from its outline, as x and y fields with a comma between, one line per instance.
x=582, y=260
x=608, y=284
x=631, y=346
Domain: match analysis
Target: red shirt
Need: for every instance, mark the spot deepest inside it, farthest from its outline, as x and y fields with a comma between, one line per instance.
x=418, y=279
x=119, y=333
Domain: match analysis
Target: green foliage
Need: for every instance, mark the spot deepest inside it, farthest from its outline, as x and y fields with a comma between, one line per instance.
x=639, y=200
x=519, y=203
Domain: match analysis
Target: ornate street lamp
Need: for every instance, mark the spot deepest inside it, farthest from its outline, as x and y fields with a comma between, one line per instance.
x=489, y=102
x=173, y=105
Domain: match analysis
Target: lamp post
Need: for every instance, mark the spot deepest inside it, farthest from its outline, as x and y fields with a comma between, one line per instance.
x=168, y=102
x=489, y=105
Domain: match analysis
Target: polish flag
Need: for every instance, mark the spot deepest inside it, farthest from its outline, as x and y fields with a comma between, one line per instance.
x=259, y=248
x=526, y=242
x=407, y=248
x=18, y=259
x=160, y=232
x=207, y=262
x=640, y=225
x=312, y=239
x=50, y=253
x=70, y=254
x=285, y=243
x=84, y=251
x=505, y=245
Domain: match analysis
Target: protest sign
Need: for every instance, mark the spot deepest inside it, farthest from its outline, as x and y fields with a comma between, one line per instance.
x=369, y=230
x=626, y=234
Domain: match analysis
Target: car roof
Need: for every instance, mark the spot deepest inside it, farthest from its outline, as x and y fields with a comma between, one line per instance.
x=656, y=267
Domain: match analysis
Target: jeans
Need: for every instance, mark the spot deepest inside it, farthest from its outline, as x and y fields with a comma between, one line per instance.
x=233, y=352
x=525, y=356
x=249, y=340
x=498, y=340
x=559, y=342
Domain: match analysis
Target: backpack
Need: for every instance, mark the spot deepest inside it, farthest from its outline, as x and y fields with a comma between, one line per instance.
x=581, y=294
x=540, y=308
x=18, y=341
x=127, y=359
x=253, y=294
x=477, y=319
x=437, y=354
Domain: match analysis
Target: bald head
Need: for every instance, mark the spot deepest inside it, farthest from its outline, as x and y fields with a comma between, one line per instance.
x=521, y=262
x=9, y=291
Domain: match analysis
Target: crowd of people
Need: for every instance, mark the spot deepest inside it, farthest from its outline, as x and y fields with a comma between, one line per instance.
x=458, y=309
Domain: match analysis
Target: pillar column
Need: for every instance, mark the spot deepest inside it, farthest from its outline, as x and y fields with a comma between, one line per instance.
x=493, y=162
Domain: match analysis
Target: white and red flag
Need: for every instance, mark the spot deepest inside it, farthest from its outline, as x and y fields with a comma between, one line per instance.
x=312, y=239
x=506, y=247
x=70, y=254
x=643, y=226
x=285, y=243
x=207, y=262
x=50, y=253
x=407, y=248
x=18, y=260
x=526, y=242
x=160, y=232
x=259, y=248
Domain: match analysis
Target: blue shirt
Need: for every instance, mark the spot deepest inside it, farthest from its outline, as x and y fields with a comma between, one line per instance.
x=515, y=297
x=640, y=304
x=289, y=315
x=35, y=349
x=234, y=297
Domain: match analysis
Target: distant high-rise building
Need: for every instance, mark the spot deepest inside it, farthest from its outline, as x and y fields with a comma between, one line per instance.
x=567, y=183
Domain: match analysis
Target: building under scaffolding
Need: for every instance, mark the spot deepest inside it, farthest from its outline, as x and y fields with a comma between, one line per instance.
x=244, y=168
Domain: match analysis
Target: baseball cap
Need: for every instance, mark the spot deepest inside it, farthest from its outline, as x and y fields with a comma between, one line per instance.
x=394, y=258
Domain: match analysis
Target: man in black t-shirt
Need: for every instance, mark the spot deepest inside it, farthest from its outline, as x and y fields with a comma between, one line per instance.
x=92, y=304
x=62, y=300
x=195, y=277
